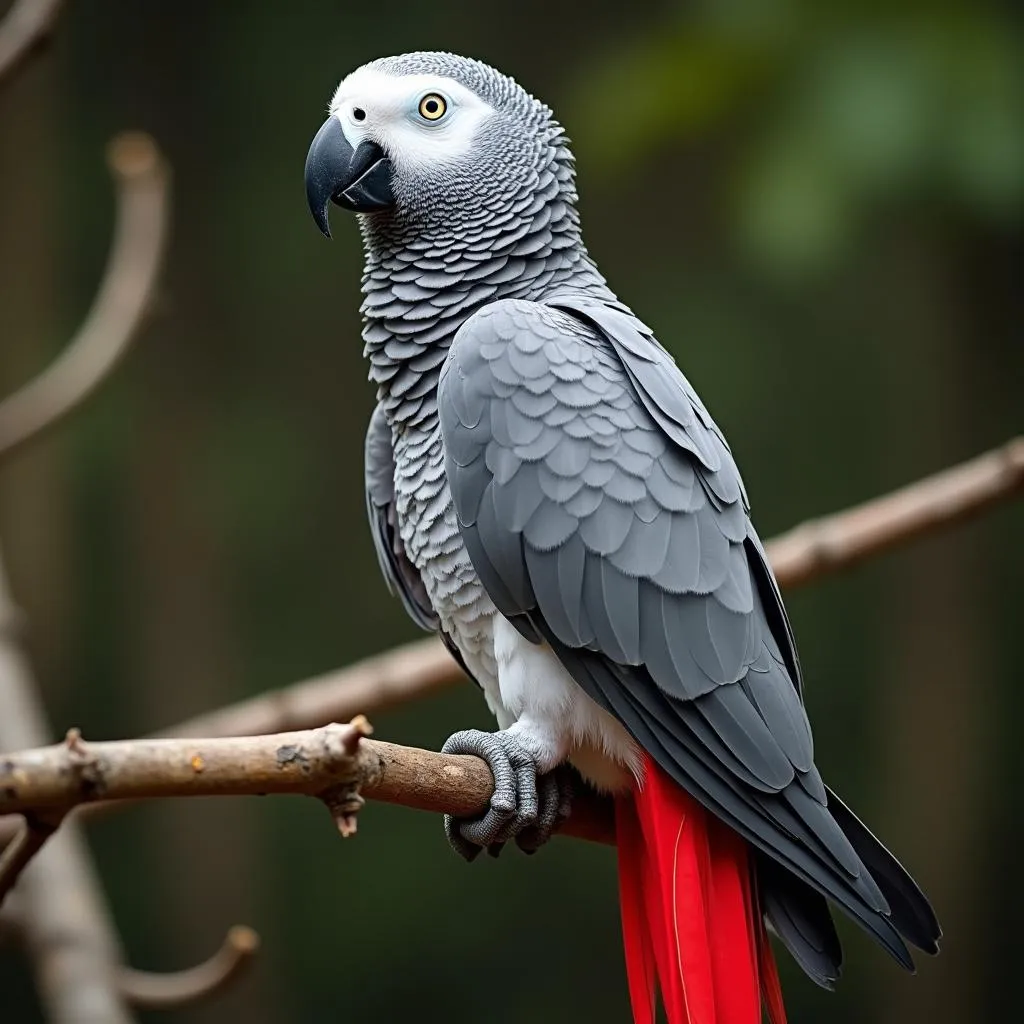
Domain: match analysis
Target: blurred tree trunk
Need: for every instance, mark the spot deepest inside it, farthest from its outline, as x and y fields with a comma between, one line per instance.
x=936, y=701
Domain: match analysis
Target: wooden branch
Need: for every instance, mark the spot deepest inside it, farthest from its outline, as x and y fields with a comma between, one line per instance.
x=27, y=25
x=405, y=673
x=333, y=763
x=148, y=991
x=70, y=941
x=121, y=302
x=822, y=546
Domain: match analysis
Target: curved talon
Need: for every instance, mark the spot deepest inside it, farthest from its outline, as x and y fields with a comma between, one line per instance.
x=557, y=789
x=528, y=804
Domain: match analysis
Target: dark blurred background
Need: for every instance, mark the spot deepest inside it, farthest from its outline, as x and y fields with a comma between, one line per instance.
x=818, y=208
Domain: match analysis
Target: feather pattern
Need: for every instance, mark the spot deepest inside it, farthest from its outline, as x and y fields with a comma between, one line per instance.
x=401, y=576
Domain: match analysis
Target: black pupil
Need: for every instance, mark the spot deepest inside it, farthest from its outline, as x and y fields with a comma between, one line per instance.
x=432, y=106
x=358, y=113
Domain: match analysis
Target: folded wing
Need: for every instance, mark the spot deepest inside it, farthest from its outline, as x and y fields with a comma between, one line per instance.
x=603, y=512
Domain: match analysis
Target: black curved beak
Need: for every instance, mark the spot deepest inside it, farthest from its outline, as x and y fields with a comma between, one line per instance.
x=356, y=179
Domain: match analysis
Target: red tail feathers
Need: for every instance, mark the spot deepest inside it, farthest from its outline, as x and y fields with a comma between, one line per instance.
x=689, y=912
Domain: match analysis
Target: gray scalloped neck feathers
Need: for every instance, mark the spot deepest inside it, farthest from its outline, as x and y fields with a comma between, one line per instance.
x=510, y=230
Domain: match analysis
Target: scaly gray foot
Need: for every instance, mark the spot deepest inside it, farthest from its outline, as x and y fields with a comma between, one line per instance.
x=525, y=807
x=556, y=791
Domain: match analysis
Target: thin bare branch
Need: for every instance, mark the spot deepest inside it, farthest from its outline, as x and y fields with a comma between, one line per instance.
x=121, y=302
x=402, y=674
x=147, y=990
x=823, y=546
x=27, y=843
x=27, y=25
x=334, y=763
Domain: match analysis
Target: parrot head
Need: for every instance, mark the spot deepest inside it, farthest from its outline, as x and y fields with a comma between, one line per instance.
x=422, y=137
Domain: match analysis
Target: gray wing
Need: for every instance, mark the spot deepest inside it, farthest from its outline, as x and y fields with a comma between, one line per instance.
x=401, y=576
x=602, y=509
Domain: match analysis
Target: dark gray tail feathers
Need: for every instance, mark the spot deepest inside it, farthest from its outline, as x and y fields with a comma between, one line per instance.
x=911, y=913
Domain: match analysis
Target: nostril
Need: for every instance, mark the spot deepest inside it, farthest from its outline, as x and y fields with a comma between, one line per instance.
x=358, y=113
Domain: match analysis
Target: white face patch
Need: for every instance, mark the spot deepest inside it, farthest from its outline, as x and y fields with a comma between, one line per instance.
x=391, y=117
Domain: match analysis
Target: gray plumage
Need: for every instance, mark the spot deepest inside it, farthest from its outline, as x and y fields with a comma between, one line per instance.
x=402, y=577
x=537, y=451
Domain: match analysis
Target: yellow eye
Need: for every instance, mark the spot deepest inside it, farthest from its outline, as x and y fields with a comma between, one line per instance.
x=433, y=107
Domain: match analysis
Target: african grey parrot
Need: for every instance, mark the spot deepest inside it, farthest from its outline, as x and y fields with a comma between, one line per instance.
x=547, y=491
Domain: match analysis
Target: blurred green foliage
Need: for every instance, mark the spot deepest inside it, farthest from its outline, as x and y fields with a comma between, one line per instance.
x=818, y=208
x=841, y=112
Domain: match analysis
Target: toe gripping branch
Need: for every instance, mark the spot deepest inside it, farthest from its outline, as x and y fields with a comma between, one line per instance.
x=526, y=806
